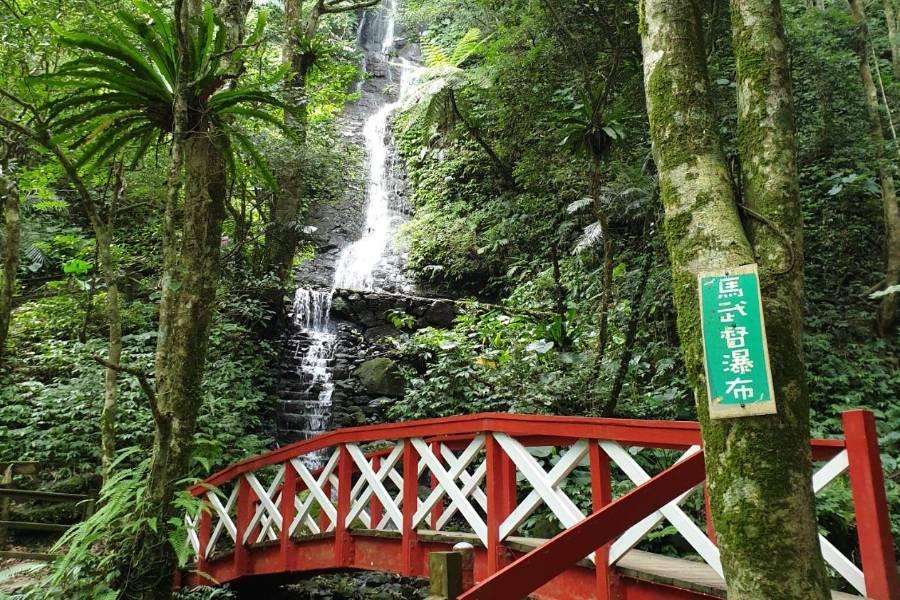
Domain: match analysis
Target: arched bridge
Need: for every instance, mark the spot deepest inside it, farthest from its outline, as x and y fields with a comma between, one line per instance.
x=382, y=497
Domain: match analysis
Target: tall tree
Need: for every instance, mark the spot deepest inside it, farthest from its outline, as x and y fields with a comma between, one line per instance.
x=887, y=310
x=890, y=17
x=299, y=54
x=11, y=236
x=758, y=468
x=103, y=229
x=190, y=278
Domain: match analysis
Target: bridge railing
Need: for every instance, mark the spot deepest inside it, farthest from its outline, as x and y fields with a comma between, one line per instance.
x=486, y=475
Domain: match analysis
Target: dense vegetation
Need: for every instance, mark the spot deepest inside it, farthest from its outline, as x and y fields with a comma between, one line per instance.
x=535, y=189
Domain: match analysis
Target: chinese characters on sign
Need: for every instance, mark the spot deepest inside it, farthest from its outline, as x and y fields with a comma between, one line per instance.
x=738, y=377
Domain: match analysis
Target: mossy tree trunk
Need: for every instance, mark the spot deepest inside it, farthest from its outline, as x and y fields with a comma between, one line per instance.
x=191, y=257
x=887, y=310
x=109, y=270
x=890, y=17
x=758, y=468
x=11, y=238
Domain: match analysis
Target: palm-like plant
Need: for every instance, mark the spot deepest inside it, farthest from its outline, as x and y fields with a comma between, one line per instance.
x=120, y=92
x=434, y=102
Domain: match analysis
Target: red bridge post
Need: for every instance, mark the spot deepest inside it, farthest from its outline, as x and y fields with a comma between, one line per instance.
x=500, y=477
x=601, y=495
x=245, y=502
x=288, y=512
x=410, y=544
x=343, y=545
x=204, y=532
x=876, y=546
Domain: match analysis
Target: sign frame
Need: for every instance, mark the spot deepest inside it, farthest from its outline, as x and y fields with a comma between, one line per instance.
x=717, y=409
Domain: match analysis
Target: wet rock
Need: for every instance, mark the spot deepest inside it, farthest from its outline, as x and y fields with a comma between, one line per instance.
x=380, y=376
x=441, y=313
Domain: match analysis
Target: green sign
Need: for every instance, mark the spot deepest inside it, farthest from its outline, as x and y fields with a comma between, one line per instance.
x=738, y=377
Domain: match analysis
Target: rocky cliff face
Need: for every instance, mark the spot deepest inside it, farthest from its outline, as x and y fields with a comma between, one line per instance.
x=363, y=370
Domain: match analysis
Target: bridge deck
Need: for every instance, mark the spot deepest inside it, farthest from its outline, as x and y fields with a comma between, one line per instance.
x=485, y=474
x=690, y=575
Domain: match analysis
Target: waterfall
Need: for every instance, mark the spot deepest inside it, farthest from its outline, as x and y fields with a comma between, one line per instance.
x=361, y=265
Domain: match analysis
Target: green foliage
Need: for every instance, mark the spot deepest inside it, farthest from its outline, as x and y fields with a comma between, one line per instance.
x=121, y=91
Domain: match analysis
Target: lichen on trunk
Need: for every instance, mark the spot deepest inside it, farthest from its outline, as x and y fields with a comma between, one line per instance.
x=11, y=237
x=758, y=468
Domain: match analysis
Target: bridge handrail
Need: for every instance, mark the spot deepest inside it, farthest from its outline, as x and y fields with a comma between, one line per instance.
x=543, y=428
x=486, y=475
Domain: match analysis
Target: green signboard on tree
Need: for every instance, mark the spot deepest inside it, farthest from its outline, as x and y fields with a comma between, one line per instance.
x=738, y=376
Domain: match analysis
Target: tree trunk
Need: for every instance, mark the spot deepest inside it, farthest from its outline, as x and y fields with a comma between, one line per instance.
x=113, y=312
x=887, y=311
x=283, y=235
x=890, y=16
x=637, y=315
x=11, y=235
x=502, y=168
x=191, y=275
x=758, y=468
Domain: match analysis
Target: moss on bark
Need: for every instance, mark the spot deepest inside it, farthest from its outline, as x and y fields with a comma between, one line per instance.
x=758, y=468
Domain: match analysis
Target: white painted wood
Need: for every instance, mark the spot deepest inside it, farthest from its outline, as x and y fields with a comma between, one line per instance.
x=477, y=493
x=264, y=512
x=224, y=523
x=362, y=492
x=192, y=539
x=636, y=532
x=554, y=479
x=843, y=565
x=375, y=485
x=671, y=511
x=830, y=470
x=555, y=499
x=314, y=486
x=455, y=467
x=450, y=488
x=265, y=504
x=470, y=485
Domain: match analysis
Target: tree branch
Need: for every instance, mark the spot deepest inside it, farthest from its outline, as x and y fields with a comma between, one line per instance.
x=335, y=6
x=144, y=382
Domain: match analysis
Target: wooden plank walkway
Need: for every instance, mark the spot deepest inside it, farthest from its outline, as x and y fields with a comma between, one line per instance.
x=691, y=575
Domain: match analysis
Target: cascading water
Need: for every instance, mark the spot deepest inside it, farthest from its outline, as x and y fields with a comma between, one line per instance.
x=361, y=265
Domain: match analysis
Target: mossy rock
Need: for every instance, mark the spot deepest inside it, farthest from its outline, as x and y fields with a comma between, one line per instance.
x=380, y=377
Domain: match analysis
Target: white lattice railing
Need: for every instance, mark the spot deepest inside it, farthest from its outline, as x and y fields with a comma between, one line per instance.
x=478, y=475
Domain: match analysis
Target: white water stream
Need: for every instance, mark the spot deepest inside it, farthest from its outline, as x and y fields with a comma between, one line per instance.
x=358, y=265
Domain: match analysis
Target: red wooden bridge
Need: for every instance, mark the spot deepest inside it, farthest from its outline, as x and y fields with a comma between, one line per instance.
x=383, y=497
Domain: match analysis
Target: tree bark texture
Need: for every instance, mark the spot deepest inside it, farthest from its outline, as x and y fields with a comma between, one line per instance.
x=758, y=468
x=890, y=17
x=191, y=257
x=887, y=310
x=109, y=270
x=11, y=241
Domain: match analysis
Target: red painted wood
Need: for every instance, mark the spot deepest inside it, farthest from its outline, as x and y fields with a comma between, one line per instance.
x=649, y=434
x=288, y=511
x=246, y=499
x=538, y=567
x=204, y=531
x=343, y=545
x=410, y=547
x=627, y=431
x=601, y=495
x=876, y=546
x=707, y=511
x=498, y=485
x=375, y=509
x=438, y=508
